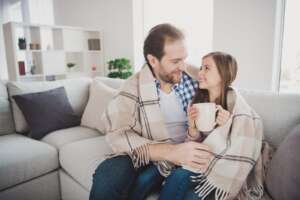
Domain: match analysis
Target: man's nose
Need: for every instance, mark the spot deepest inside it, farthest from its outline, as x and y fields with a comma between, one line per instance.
x=200, y=73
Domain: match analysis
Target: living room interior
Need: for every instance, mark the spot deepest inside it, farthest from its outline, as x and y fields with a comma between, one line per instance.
x=46, y=44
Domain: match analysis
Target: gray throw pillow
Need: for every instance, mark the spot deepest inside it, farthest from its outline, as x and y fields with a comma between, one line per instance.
x=283, y=178
x=47, y=111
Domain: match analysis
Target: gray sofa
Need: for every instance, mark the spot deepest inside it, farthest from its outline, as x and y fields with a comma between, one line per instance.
x=61, y=165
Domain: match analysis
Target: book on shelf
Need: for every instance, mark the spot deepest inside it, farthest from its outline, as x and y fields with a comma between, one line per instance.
x=94, y=44
x=21, y=67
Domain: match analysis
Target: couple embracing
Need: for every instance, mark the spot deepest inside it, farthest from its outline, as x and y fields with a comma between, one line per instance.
x=153, y=128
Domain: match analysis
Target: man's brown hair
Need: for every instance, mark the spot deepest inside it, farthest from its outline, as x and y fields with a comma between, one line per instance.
x=157, y=37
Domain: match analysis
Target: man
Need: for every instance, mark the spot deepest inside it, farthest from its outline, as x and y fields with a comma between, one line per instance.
x=146, y=123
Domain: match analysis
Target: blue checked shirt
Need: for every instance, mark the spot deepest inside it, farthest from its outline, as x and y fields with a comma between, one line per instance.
x=185, y=89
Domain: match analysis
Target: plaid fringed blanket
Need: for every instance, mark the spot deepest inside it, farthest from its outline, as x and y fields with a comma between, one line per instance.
x=236, y=171
x=133, y=120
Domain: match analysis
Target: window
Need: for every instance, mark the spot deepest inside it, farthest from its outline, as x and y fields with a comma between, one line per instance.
x=16, y=12
x=290, y=63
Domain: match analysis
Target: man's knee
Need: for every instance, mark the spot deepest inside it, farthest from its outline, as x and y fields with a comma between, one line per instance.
x=113, y=178
x=111, y=166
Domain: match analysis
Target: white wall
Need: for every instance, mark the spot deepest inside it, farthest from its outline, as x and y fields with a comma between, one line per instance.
x=246, y=30
x=194, y=17
x=40, y=11
x=138, y=32
x=113, y=17
x=3, y=64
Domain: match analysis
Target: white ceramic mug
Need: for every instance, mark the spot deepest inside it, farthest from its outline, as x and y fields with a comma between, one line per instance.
x=206, y=120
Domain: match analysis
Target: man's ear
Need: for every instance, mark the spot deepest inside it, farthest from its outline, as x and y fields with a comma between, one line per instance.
x=153, y=61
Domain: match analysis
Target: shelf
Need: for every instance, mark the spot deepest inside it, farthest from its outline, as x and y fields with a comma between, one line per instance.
x=41, y=51
x=93, y=51
x=50, y=48
x=32, y=75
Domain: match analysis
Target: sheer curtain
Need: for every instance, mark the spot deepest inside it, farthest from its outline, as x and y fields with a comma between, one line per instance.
x=290, y=65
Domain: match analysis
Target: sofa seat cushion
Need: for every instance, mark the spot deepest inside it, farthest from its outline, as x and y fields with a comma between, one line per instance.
x=80, y=159
x=22, y=159
x=62, y=137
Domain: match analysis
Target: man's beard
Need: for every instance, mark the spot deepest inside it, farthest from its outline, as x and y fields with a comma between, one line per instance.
x=169, y=78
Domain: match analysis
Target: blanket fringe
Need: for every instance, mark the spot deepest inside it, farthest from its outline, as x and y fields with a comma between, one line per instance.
x=255, y=193
x=204, y=188
x=140, y=156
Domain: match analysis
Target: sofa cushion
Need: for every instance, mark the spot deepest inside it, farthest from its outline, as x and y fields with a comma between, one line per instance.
x=80, y=159
x=22, y=159
x=111, y=82
x=283, y=177
x=6, y=120
x=47, y=111
x=77, y=92
x=100, y=96
x=65, y=136
x=278, y=112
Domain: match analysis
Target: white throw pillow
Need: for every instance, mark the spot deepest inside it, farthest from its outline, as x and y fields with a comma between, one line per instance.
x=100, y=96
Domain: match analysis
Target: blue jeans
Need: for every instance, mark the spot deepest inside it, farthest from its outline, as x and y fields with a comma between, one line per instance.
x=116, y=179
x=178, y=186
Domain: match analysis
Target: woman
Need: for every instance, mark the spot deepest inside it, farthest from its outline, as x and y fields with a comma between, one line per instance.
x=236, y=140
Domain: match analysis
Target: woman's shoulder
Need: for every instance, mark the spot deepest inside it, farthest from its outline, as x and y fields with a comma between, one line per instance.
x=239, y=104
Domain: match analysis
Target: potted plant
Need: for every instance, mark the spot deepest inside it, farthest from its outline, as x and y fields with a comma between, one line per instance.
x=119, y=68
x=22, y=43
x=70, y=65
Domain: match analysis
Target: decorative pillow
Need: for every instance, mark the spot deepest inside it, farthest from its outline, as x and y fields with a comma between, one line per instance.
x=77, y=90
x=100, y=96
x=283, y=177
x=47, y=111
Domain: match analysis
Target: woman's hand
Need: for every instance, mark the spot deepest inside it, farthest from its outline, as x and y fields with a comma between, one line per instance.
x=222, y=116
x=192, y=116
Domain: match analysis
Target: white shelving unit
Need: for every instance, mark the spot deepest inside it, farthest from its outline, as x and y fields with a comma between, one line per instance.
x=49, y=49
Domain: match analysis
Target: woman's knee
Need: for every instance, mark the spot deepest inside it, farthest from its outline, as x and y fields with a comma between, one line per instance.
x=180, y=173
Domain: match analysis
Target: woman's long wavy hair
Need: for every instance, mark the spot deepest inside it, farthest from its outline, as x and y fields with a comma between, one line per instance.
x=227, y=68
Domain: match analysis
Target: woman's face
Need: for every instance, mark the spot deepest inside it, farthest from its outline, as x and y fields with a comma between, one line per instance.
x=208, y=76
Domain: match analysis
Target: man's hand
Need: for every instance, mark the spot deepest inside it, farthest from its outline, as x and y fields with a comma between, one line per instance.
x=192, y=154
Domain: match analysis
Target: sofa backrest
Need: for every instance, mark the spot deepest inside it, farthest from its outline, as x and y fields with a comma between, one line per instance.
x=6, y=120
x=77, y=92
x=111, y=82
x=279, y=112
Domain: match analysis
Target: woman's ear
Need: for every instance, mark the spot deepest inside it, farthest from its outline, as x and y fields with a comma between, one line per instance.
x=153, y=61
